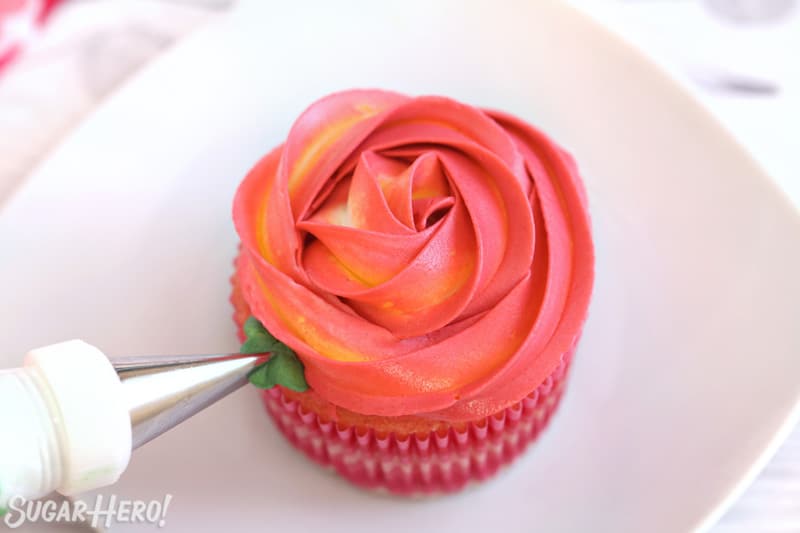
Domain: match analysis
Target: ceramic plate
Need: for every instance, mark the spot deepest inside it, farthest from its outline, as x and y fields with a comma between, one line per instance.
x=686, y=378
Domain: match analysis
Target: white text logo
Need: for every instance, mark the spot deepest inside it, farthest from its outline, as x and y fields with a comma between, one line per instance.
x=105, y=511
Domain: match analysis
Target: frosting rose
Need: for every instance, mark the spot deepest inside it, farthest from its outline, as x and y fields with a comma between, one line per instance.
x=420, y=255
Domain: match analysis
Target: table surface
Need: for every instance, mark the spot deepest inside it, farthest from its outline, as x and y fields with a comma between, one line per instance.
x=89, y=48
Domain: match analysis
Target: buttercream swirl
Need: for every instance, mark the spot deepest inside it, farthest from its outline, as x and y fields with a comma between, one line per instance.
x=421, y=256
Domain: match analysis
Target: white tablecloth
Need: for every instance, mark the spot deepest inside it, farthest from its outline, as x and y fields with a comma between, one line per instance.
x=90, y=47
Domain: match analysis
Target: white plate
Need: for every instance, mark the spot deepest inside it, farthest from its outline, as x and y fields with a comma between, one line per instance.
x=688, y=372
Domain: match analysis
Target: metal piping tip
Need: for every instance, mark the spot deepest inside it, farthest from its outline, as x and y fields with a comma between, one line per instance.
x=163, y=391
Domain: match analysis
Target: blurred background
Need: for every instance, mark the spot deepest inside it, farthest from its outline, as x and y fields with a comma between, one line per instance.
x=59, y=60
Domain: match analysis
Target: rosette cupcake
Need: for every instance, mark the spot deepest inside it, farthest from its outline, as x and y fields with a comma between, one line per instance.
x=420, y=270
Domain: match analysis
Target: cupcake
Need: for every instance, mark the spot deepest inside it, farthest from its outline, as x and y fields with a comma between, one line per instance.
x=420, y=270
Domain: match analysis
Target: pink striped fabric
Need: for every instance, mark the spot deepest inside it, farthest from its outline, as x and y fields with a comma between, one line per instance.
x=19, y=20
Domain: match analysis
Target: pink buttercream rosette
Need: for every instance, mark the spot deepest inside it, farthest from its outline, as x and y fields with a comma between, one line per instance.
x=431, y=264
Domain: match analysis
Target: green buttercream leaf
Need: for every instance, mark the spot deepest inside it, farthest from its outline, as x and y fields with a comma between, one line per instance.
x=259, y=340
x=286, y=369
x=253, y=327
x=261, y=377
x=258, y=344
x=283, y=368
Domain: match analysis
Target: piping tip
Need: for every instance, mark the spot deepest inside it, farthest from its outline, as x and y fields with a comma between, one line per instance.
x=163, y=391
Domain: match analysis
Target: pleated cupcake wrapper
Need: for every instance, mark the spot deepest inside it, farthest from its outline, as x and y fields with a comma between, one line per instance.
x=419, y=463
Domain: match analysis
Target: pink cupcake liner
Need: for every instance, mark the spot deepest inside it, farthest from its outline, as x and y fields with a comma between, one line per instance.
x=418, y=463
x=436, y=462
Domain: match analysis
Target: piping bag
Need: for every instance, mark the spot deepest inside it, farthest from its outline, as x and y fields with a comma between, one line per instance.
x=72, y=416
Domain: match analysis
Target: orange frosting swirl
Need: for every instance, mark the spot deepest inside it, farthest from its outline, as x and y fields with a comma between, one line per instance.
x=421, y=256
